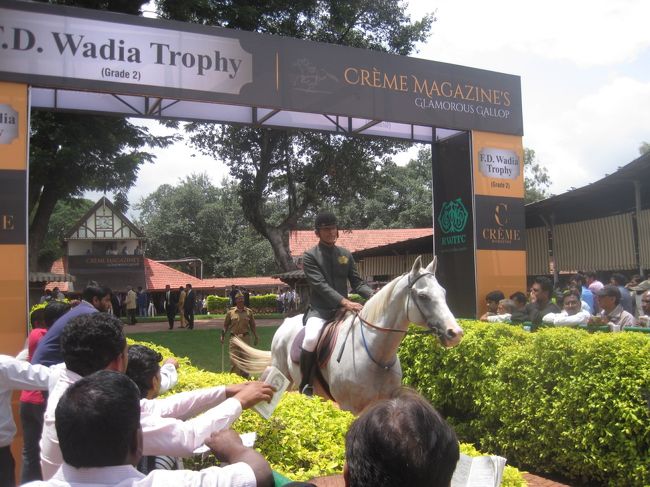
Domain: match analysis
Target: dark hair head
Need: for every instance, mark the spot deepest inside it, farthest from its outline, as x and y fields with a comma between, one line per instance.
x=97, y=420
x=619, y=279
x=545, y=283
x=90, y=342
x=144, y=364
x=518, y=297
x=93, y=290
x=189, y=285
x=54, y=310
x=612, y=291
x=571, y=293
x=580, y=279
x=37, y=317
x=590, y=274
x=401, y=442
x=494, y=296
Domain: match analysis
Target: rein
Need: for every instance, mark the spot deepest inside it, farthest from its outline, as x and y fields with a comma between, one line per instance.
x=388, y=330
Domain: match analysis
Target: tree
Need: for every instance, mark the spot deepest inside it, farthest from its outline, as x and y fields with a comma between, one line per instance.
x=644, y=148
x=536, y=178
x=302, y=171
x=403, y=198
x=71, y=153
x=197, y=219
x=66, y=213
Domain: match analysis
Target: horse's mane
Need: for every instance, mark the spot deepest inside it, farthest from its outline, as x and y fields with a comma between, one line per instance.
x=374, y=307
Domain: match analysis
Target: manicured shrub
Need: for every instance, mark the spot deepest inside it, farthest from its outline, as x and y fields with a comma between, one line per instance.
x=217, y=304
x=305, y=436
x=264, y=303
x=582, y=406
x=457, y=381
x=558, y=400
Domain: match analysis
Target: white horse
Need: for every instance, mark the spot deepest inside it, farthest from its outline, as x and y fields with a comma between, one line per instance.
x=364, y=365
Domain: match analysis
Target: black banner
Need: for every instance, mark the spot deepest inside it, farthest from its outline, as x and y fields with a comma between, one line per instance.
x=453, y=223
x=13, y=203
x=500, y=223
x=114, y=271
x=97, y=51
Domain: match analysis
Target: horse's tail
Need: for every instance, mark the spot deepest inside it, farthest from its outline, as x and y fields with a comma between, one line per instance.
x=249, y=359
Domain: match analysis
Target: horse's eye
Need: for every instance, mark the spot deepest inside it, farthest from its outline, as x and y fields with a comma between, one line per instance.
x=424, y=296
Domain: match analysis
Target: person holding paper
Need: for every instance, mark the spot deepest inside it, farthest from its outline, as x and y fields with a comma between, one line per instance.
x=98, y=421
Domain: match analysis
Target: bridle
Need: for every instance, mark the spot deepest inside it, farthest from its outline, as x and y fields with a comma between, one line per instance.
x=411, y=293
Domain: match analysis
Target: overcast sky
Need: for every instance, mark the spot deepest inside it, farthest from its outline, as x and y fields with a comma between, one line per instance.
x=585, y=75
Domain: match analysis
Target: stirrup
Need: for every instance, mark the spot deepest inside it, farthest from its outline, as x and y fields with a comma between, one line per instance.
x=308, y=390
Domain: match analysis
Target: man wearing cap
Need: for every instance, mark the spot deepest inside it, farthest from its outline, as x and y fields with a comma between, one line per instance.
x=612, y=313
x=240, y=322
x=328, y=269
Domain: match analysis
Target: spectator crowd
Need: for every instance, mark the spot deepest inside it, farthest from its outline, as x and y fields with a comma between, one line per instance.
x=585, y=300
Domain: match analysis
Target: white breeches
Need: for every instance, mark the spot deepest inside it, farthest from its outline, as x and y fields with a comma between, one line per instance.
x=312, y=331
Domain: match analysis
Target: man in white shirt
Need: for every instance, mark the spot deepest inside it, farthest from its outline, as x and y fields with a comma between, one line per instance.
x=95, y=342
x=14, y=375
x=612, y=312
x=98, y=422
x=572, y=315
x=644, y=315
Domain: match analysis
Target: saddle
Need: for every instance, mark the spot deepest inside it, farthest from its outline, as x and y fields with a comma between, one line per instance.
x=324, y=347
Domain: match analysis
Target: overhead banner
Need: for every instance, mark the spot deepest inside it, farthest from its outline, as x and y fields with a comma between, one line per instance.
x=65, y=47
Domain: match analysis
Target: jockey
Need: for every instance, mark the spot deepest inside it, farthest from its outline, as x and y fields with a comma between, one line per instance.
x=328, y=269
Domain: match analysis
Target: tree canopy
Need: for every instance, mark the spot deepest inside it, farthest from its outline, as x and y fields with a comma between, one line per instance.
x=72, y=153
x=293, y=170
x=196, y=219
x=536, y=178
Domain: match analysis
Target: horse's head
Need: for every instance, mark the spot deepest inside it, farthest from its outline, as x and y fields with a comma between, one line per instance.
x=426, y=302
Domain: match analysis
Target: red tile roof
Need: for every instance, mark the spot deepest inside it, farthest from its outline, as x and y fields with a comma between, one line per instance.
x=58, y=268
x=158, y=275
x=357, y=240
x=226, y=282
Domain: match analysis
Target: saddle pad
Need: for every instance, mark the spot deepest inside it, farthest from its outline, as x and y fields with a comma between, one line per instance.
x=325, y=347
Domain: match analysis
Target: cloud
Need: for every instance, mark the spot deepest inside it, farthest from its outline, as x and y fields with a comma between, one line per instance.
x=600, y=133
x=584, y=33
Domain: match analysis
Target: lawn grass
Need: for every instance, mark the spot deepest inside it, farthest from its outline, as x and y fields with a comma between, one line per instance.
x=202, y=347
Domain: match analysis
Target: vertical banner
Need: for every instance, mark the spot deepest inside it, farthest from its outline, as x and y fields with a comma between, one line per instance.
x=453, y=219
x=498, y=173
x=13, y=216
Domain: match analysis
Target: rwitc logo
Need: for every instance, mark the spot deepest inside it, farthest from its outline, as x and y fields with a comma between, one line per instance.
x=453, y=220
x=8, y=124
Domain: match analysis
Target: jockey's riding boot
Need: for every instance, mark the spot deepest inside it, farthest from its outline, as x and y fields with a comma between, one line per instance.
x=307, y=360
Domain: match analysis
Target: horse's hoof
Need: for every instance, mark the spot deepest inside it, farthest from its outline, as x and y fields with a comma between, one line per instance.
x=308, y=390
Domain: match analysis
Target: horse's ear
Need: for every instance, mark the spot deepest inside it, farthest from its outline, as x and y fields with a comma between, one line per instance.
x=417, y=265
x=434, y=264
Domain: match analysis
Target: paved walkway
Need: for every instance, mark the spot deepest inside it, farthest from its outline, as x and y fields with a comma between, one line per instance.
x=162, y=326
x=198, y=325
x=535, y=481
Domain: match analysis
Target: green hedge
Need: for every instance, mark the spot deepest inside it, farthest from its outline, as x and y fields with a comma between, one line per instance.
x=265, y=303
x=557, y=401
x=303, y=439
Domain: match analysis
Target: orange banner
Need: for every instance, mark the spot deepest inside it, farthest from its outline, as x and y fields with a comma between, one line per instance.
x=13, y=218
x=498, y=170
